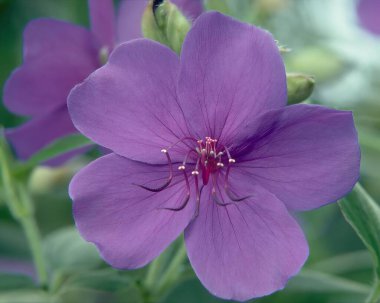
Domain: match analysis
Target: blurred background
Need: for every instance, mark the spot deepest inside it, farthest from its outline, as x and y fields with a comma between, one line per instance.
x=328, y=41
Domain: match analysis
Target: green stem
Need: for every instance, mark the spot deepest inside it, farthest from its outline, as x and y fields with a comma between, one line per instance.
x=174, y=270
x=33, y=237
x=374, y=296
x=21, y=208
x=153, y=274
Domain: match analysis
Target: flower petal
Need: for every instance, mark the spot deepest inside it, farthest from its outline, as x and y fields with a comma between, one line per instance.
x=230, y=72
x=125, y=221
x=368, y=12
x=245, y=250
x=190, y=8
x=57, y=55
x=103, y=25
x=130, y=105
x=129, y=19
x=306, y=155
x=39, y=132
x=44, y=36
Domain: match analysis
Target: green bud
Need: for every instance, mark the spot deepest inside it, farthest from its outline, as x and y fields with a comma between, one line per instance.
x=163, y=22
x=45, y=180
x=103, y=55
x=300, y=87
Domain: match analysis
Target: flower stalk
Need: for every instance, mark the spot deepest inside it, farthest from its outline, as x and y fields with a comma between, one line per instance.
x=374, y=296
x=174, y=269
x=21, y=208
x=159, y=280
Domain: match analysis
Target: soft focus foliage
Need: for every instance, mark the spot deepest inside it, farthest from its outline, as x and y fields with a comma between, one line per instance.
x=329, y=43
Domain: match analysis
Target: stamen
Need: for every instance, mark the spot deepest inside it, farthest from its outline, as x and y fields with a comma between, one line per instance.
x=214, y=193
x=167, y=183
x=226, y=186
x=216, y=199
x=198, y=194
x=186, y=200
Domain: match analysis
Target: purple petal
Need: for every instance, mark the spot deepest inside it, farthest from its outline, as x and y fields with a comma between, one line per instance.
x=103, y=25
x=57, y=55
x=306, y=155
x=230, y=72
x=246, y=250
x=39, y=132
x=190, y=8
x=129, y=19
x=368, y=11
x=126, y=222
x=130, y=105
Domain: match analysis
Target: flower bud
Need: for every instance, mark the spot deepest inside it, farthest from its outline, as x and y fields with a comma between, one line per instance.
x=45, y=180
x=163, y=22
x=300, y=87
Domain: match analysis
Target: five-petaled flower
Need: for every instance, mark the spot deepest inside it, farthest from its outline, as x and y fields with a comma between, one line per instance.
x=205, y=144
x=57, y=56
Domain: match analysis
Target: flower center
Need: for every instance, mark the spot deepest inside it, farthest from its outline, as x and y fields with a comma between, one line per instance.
x=208, y=159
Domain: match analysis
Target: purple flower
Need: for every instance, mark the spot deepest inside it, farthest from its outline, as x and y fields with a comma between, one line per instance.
x=234, y=160
x=57, y=56
x=368, y=12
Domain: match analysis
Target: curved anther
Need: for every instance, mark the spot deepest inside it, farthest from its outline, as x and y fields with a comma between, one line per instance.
x=214, y=193
x=217, y=200
x=185, y=201
x=167, y=183
x=227, y=189
x=198, y=196
x=235, y=199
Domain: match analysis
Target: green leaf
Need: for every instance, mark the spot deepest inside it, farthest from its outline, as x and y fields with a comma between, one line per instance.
x=363, y=213
x=25, y=296
x=66, y=250
x=317, y=282
x=15, y=281
x=59, y=147
x=100, y=286
x=345, y=263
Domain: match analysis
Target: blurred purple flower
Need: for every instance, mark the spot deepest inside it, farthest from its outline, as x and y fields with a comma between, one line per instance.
x=17, y=267
x=57, y=56
x=244, y=159
x=369, y=11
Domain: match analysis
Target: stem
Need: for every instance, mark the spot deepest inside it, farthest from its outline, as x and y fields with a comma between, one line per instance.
x=153, y=274
x=21, y=208
x=33, y=237
x=174, y=270
x=374, y=296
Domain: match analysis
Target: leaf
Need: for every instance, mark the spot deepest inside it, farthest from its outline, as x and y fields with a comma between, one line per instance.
x=100, y=286
x=25, y=296
x=363, y=213
x=313, y=281
x=15, y=281
x=66, y=250
x=59, y=147
x=345, y=263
